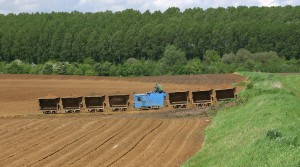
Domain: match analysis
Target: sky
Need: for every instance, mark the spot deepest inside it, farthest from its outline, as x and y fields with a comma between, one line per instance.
x=32, y=6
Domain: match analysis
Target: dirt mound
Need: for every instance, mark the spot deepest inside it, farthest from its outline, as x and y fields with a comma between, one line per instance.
x=49, y=96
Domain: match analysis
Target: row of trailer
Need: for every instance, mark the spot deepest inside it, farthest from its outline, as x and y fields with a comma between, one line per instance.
x=150, y=100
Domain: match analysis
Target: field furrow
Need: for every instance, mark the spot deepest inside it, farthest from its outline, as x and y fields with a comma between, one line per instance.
x=38, y=142
x=79, y=151
x=118, y=144
x=147, y=147
x=136, y=143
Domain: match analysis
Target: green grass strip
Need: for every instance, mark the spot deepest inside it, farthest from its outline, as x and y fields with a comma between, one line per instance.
x=264, y=130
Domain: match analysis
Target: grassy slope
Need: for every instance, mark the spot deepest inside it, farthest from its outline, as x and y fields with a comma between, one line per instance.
x=262, y=131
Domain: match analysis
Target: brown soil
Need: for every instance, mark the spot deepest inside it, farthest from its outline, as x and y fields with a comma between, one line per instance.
x=19, y=93
x=100, y=140
x=133, y=138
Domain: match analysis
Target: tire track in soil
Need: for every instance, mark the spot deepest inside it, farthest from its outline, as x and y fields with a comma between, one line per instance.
x=50, y=146
x=176, y=154
x=156, y=145
x=16, y=139
x=19, y=155
x=22, y=123
x=149, y=146
x=66, y=145
x=29, y=133
x=124, y=141
x=148, y=133
x=105, y=146
x=8, y=123
x=142, y=145
x=91, y=151
x=20, y=126
x=105, y=141
x=169, y=143
x=180, y=154
x=34, y=144
x=11, y=130
x=75, y=152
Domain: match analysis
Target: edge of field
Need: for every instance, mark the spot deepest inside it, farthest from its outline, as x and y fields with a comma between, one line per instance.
x=261, y=130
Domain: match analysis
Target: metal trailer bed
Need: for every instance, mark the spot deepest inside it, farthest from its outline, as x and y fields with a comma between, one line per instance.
x=226, y=94
x=71, y=104
x=202, y=98
x=49, y=105
x=119, y=102
x=94, y=103
x=179, y=99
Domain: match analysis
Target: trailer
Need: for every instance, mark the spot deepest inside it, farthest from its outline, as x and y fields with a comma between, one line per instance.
x=94, y=103
x=226, y=94
x=49, y=105
x=150, y=100
x=179, y=99
x=119, y=102
x=202, y=98
x=71, y=104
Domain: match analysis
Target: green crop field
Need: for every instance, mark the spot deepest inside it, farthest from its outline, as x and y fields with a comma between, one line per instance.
x=263, y=129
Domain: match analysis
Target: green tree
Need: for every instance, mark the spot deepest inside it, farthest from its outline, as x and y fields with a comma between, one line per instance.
x=228, y=58
x=132, y=67
x=193, y=66
x=60, y=68
x=103, y=69
x=89, y=61
x=211, y=56
x=15, y=67
x=173, y=59
x=47, y=69
x=2, y=67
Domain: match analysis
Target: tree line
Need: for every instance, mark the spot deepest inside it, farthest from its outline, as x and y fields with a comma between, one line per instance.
x=131, y=43
x=173, y=62
x=118, y=36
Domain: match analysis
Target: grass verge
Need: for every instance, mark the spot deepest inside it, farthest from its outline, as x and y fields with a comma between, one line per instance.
x=264, y=130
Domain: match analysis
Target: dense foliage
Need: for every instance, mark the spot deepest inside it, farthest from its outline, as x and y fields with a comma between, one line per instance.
x=129, y=42
x=173, y=62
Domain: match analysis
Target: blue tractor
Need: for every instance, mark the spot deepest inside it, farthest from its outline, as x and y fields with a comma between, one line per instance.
x=150, y=100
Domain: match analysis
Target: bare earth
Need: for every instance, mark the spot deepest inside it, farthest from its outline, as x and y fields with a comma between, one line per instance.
x=134, y=138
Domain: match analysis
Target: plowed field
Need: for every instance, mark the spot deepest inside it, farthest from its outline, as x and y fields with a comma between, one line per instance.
x=97, y=140
x=19, y=93
x=147, y=138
